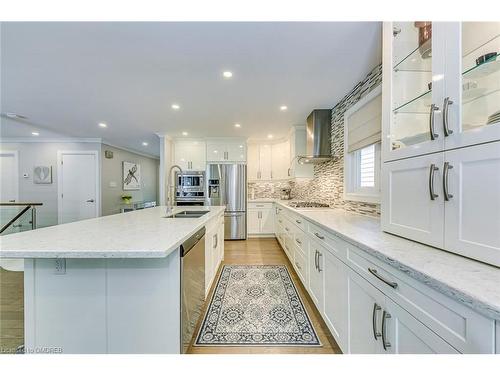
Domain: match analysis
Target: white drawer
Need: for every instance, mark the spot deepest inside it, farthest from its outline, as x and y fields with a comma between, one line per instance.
x=300, y=241
x=261, y=205
x=337, y=246
x=298, y=221
x=463, y=328
x=300, y=265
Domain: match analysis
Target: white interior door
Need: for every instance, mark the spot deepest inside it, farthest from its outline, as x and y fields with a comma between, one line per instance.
x=9, y=170
x=78, y=186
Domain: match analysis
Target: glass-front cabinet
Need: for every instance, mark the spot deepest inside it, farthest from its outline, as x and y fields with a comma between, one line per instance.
x=441, y=85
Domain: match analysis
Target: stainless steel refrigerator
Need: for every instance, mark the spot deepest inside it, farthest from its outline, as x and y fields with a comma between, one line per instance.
x=227, y=186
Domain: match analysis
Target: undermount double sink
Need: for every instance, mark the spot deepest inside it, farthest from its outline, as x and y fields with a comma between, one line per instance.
x=186, y=214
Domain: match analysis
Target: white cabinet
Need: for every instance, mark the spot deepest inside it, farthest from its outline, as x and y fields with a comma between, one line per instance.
x=260, y=218
x=450, y=200
x=336, y=299
x=403, y=334
x=472, y=211
x=436, y=97
x=365, y=304
x=214, y=250
x=407, y=207
x=226, y=151
x=298, y=139
x=190, y=155
x=316, y=273
x=268, y=161
x=280, y=161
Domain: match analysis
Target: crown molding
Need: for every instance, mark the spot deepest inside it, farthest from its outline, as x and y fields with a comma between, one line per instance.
x=49, y=140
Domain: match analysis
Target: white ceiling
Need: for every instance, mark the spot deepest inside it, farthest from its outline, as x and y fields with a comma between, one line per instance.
x=68, y=77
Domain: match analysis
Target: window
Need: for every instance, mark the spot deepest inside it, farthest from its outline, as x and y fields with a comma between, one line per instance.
x=362, y=128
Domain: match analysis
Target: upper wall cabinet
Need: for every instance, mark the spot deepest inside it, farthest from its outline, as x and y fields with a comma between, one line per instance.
x=441, y=86
x=190, y=154
x=268, y=161
x=230, y=150
x=298, y=139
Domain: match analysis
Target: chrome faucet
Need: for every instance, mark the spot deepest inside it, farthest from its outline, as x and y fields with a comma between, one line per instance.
x=170, y=198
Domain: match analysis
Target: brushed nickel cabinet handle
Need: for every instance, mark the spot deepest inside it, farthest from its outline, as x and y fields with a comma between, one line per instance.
x=319, y=268
x=316, y=260
x=433, y=109
x=319, y=236
x=298, y=241
x=90, y=201
x=376, y=308
x=298, y=221
x=374, y=272
x=432, y=170
x=385, y=343
x=298, y=266
x=446, y=105
x=446, y=171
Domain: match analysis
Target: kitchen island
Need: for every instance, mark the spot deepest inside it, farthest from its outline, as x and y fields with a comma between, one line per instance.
x=107, y=285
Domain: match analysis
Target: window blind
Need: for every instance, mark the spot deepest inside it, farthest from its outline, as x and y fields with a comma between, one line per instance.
x=365, y=125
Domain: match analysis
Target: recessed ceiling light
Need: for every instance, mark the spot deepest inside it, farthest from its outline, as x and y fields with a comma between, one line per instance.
x=283, y=108
x=184, y=133
x=35, y=133
x=227, y=74
x=103, y=125
x=269, y=136
x=176, y=106
x=237, y=125
x=144, y=143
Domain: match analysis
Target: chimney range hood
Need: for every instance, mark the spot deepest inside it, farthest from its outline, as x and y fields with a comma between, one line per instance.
x=319, y=137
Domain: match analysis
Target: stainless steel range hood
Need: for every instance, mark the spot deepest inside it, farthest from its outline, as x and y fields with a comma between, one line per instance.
x=319, y=137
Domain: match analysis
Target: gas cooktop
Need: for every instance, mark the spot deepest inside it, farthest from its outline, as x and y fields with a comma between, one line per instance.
x=304, y=204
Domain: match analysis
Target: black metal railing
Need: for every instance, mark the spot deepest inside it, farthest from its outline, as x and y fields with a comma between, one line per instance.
x=24, y=207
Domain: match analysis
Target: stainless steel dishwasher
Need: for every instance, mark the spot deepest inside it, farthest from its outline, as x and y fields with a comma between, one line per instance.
x=192, y=285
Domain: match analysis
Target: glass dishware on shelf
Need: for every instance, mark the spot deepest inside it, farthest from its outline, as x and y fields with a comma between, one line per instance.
x=412, y=77
x=480, y=79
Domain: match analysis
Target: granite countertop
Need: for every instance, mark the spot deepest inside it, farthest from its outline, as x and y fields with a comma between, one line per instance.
x=472, y=283
x=136, y=234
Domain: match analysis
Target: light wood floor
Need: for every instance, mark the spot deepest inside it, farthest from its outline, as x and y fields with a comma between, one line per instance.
x=11, y=310
x=268, y=251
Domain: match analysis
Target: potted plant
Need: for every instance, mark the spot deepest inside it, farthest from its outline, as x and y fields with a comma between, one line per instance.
x=126, y=198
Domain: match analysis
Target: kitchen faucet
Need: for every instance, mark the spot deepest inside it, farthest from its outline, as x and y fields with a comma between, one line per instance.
x=170, y=203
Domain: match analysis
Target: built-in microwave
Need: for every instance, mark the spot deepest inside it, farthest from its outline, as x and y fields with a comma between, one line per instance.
x=190, y=187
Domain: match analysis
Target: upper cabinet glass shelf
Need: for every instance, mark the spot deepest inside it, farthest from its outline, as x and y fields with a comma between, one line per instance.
x=414, y=62
x=419, y=105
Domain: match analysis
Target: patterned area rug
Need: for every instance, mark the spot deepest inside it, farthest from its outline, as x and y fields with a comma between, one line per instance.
x=259, y=306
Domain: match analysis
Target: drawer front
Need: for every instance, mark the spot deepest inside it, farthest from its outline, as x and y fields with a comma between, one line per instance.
x=300, y=239
x=298, y=221
x=337, y=246
x=259, y=205
x=300, y=265
x=463, y=328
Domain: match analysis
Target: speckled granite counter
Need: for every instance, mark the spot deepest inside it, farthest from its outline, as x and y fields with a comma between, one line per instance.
x=136, y=234
x=472, y=283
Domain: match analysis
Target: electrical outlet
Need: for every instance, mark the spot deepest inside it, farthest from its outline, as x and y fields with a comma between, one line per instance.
x=60, y=266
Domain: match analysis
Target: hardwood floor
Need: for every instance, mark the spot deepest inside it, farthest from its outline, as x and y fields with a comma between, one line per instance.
x=268, y=251
x=11, y=311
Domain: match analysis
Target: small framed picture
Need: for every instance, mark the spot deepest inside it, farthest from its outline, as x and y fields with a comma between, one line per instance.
x=131, y=176
x=42, y=174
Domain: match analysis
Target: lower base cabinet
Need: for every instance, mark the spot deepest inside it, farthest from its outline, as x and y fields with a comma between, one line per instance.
x=367, y=316
x=214, y=250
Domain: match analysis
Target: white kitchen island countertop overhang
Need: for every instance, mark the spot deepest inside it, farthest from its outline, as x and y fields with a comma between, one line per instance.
x=137, y=234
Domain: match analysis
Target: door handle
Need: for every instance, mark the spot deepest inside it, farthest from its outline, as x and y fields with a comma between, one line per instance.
x=90, y=201
x=319, y=236
x=298, y=241
x=298, y=221
x=433, y=109
x=385, y=343
x=374, y=272
x=376, y=308
x=432, y=170
x=216, y=241
x=446, y=105
x=316, y=259
x=446, y=170
x=319, y=268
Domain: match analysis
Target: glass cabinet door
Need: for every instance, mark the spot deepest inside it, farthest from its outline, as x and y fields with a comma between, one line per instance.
x=474, y=81
x=417, y=88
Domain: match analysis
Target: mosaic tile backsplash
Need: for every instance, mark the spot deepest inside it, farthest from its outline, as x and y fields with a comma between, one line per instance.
x=327, y=186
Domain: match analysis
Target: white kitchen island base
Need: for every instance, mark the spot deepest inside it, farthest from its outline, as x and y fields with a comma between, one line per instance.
x=103, y=305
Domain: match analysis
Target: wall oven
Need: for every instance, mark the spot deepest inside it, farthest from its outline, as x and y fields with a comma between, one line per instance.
x=190, y=188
